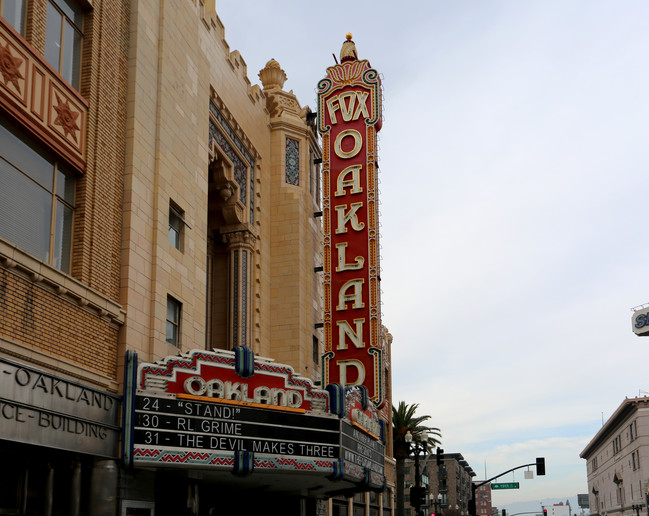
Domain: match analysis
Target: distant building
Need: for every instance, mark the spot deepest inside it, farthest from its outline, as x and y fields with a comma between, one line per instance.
x=616, y=458
x=483, y=500
x=558, y=509
x=449, y=484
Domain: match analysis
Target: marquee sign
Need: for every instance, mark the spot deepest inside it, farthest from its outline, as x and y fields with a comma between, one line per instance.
x=233, y=412
x=349, y=116
x=233, y=376
x=188, y=427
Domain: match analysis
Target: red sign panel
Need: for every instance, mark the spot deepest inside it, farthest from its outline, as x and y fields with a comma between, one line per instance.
x=214, y=374
x=349, y=115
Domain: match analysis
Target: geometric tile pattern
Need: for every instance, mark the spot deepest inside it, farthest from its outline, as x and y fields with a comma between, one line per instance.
x=292, y=162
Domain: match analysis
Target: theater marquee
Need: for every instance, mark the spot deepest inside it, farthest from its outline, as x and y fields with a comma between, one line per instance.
x=349, y=116
x=231, y=412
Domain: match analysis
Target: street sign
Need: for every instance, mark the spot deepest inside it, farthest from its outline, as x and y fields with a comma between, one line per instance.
x=507, y=485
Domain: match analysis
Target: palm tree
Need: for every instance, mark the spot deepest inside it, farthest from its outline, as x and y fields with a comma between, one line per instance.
x=404, y=421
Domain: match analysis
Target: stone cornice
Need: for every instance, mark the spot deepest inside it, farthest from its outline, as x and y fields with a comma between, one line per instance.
x=18, y=262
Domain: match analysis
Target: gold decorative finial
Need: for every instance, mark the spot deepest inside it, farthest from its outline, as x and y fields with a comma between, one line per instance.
x=348, y=52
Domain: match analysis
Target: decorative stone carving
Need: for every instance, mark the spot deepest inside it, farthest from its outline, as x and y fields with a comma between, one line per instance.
x=66, y=118
x=272, y=76
x=29, y=90
x=10, y=67
x=231, y=208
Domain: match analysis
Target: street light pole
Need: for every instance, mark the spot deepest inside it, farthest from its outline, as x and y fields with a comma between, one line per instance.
x=540, y=470
x=418, y=494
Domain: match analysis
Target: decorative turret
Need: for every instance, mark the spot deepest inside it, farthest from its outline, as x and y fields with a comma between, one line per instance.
x=348, y=51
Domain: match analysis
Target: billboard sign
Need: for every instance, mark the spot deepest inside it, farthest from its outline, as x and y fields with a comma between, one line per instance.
x=349, y=116
x=640, y=322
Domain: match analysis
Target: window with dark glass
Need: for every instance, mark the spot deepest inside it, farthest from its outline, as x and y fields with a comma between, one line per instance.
x=36, y=199
x=63, y=38
x=173, y=321
x=14, y=12
x=176, y=225
x=316, y=350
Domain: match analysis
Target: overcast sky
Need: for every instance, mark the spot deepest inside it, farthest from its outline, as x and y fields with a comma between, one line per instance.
x=514, y=176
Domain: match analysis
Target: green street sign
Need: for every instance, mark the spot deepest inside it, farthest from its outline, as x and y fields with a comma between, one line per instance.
x=507, y=485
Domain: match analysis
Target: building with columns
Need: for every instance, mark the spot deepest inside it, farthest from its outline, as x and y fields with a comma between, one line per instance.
x=156, y=201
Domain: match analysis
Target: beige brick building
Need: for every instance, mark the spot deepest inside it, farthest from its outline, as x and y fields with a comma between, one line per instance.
x=616, y=457
x=62, y=144
x=235, y=164
x=155, y=201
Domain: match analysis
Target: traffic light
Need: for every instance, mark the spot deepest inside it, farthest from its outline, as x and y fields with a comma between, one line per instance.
x=440, y=456
x=540, y=466
x=545, y=512
x=417, y=496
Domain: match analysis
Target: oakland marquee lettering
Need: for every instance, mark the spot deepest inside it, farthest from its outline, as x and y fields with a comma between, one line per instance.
x=216, y=388
x=348, y=119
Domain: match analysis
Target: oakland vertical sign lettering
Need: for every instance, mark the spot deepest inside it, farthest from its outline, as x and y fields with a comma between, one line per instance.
x=349, y=116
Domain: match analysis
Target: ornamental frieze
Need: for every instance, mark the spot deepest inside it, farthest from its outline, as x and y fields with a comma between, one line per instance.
x=40, y=99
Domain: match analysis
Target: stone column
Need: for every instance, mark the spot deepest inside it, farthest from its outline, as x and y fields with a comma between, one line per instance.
x=48, y=501
x=240, y=246
x=75, y=490
x=103, y=488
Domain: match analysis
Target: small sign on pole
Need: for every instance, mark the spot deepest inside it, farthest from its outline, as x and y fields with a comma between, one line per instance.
x=506, y=485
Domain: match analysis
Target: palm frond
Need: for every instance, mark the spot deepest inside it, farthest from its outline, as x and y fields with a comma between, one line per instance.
x=404, y=419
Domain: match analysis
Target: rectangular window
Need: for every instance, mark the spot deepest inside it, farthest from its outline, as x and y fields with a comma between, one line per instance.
x=176, y=225
x=311, y=172
x=36, y=199
x=63, y=39
x=292, y=162
x=632, y=431
x=174, y=308
x=617, y=445
x=14, y=12
x=316, y=350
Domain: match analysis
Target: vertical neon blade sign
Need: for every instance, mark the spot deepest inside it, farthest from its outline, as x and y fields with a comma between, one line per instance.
x=349, y=116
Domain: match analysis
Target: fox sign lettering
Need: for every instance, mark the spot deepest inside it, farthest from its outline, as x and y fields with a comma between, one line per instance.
x=349, y=116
